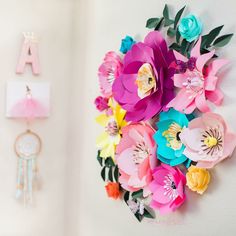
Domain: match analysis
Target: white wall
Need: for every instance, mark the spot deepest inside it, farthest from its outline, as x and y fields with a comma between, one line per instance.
x=52, y=22
x=74, y=36
x=100, y=26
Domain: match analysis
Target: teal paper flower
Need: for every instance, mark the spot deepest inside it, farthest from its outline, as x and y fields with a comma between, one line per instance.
x=190, y=28
x=126, y=44
x=170, y=148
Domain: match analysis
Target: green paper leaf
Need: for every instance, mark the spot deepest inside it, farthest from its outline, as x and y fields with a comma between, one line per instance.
x=126, y=196
x=137, y=194
x=204, y=40
x=222, y=40
x=175, y=46
x=103, y=173
x=138, y=217
x=152, y=22
x=171, y=32
x=148, y=214
x=184, y=46
x=159, y=24
x=189, y=48
x=100, y=159
x=110, y=174
x=168, y=22
x=166, y=12
x=177, y=17
x=116, y=173
x=212, y=35
x=109, y=162
x=177, y=36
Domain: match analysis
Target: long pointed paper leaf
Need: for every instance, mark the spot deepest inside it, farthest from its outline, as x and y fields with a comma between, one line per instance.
x=159, y=24
x=103, y=173
x=116, y=173
x=212, y=35
x=223, y=40
x=126, y=196
x=166, y=12
x=152, y=23
x=100, y=160
x=148, y=214
x=177, y=17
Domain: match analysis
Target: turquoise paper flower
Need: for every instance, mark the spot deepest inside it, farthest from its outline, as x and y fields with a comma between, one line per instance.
x=190, y=28
x=126, y=44
x=170, y=148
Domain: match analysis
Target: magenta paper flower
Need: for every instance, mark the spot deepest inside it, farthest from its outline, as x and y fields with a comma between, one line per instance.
x=167, y=188
x=136, y=157
x=145, y=87
x=197, y=81
x=101, y=103
x=108, y=71
x=208, y=140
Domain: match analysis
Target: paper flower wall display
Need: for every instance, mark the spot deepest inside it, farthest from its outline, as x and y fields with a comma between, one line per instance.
x=24, y=103
x=160, y=134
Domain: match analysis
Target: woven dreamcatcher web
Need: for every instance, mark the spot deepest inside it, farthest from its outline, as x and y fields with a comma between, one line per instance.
x=27, y=147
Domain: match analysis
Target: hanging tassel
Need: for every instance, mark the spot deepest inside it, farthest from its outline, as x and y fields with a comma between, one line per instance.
x=19, y=179
x=26, y=176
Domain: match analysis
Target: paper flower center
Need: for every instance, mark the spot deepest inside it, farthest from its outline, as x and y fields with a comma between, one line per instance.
x=112, y=128
x=194, y=82
x=212, y=141
x=145, y=81
x=170, y=187
x=172, y=136
x=140, y=152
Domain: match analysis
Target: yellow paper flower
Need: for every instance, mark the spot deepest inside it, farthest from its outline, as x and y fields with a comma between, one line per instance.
x=198, y=179
x=108, y=140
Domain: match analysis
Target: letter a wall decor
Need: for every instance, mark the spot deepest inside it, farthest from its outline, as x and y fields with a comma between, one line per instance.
x=29, y=54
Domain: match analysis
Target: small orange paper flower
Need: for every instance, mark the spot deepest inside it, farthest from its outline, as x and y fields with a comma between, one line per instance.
x=113, y=190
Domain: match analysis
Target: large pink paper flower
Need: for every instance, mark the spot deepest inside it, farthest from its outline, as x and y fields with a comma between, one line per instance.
x=109, y=70
x=167, y=188
x=208, y=140
x=145, y=87
x=197, y=82
x=136, y=157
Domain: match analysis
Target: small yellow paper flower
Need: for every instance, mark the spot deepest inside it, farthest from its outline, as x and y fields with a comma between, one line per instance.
x=197, y=179
x=113, y=123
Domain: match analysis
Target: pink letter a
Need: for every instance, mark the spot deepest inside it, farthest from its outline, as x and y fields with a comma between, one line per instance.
x=29, y=55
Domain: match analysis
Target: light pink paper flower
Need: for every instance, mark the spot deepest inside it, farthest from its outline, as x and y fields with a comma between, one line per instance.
x=108, y=71
x=198, y=82
x=208, y=140
x=167, y=188
x=136, y=157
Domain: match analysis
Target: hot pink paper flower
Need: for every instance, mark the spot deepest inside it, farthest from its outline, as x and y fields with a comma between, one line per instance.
x=208, y=140
x=197, y=82
x=167, y=188
x=136, y=157
x=145, y=87
x=101, y=103
x=109, y=70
